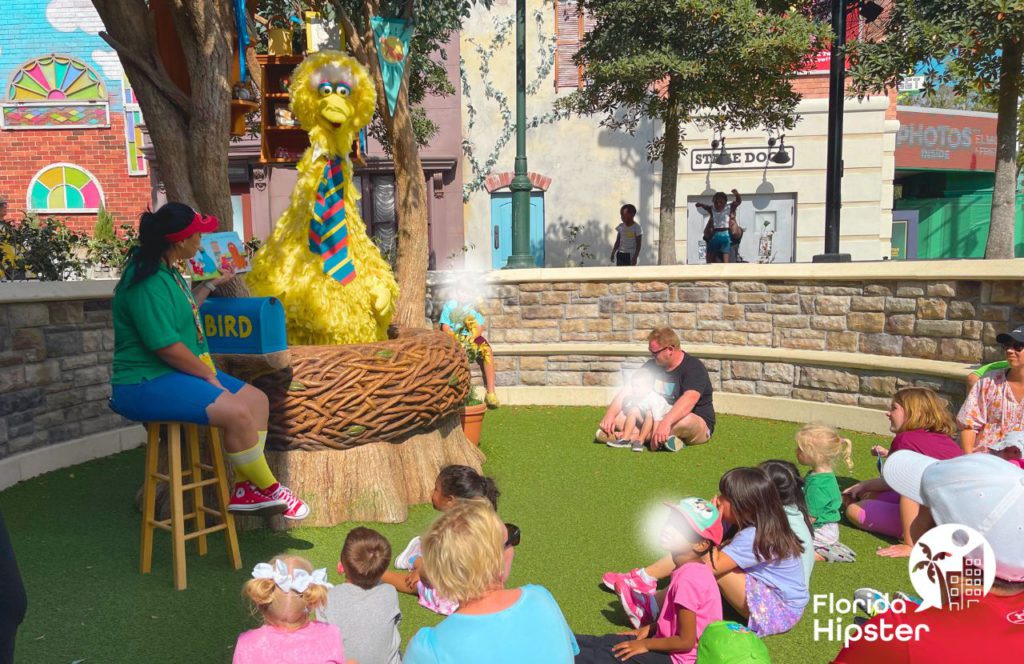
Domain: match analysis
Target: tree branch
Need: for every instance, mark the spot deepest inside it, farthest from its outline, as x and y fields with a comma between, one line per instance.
x=162, y=82
x=351, y=35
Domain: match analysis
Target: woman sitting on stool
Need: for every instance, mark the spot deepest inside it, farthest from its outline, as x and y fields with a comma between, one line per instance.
x=162, y=365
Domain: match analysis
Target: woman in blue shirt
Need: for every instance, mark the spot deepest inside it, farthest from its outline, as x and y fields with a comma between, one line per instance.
x=463, y=558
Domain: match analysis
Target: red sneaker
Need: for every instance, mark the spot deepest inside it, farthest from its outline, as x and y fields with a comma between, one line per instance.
x=247, y=498
x=640, y=608
x=297, y=509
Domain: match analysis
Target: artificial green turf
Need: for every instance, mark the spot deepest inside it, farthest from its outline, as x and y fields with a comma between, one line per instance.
x=75, y=532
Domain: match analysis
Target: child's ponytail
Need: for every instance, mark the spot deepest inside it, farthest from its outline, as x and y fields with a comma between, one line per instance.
x=847, y=449
x=464, y=483
x=821, y=444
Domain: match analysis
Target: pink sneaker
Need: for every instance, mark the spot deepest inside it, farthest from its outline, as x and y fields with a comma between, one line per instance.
x=633, y=580
x=297, y=509
x=247, y=498
x=640, y=608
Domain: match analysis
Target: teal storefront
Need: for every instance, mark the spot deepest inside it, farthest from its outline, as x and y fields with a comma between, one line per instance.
x=943, y=181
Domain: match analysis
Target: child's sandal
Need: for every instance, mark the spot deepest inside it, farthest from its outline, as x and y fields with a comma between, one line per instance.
x=836, y=553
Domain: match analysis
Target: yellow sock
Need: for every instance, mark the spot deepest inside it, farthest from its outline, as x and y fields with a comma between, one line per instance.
x=250, y=464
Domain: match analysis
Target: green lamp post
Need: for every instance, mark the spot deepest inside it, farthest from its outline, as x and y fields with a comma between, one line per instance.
x=520, y=185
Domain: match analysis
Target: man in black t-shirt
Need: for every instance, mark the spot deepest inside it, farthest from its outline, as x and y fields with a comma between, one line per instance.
x=683, y=380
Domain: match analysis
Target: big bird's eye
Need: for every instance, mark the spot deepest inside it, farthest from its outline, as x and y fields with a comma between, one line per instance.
x=325, y=89
x=342, y=89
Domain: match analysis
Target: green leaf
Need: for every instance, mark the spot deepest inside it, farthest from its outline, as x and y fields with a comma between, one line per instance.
x=296, y=386
x=385, y=353
x=355, y=429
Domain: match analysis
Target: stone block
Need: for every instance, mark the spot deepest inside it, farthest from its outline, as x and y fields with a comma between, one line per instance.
x=841, y=290
x=533, y=287
x=529, y=299
x=881, y=344
x=878, y=385
x=866, y=322
x=900, y=324
x=691, y=294
x=564, y=286
x=829, y=379
x=748, y=286
x=843, y=398
x=808, y=395
x=643, y=307
x=682, y=321
x=620, y=288
x=918, y=347
x=787, y=298
x=759, y=339
x=547, y=335
x=758, y=316
x=931, y=308
x=781, y=288
x=842, y=341
x=622, y=322
x=792, y=321
x=941, y=289
x=517, y=335
x=713, y=324
x=960, y=350
x=726, y=337
x=550, y=312
x=599, y=325
x=909, y=289
x=739, y=386
x=993, y=313
x=602, y=379
x=28, y=315
x=655, y=296
x=533, y=377
x=574, y=325
x=876, y=403
x=938, y=328
x=900, y=305
x=563, y=378
x=90, y=376
x=783, y=309
x=777, y=372
x=1005, y=292
x=732, y=312
x=753, y=326
x=831, y=323
x=877, y=289
x=503, y=363
x=527, y=363
x=830, y=304
x=752, y=298
x=555, y=297
x=42, y=373
x=720, y=295
x=12, y=378
x=611, y=305
x=709, y=311
x=989, y=334
x=647, y=322
x=30, y=338
x=861, y=303
x=680, y=307
x=774, y=389
x=92, y=341
x=960, y=310
x=62, y=344
x=593, y=290
x=745, y=370
x=973, y=329
x=67, y=312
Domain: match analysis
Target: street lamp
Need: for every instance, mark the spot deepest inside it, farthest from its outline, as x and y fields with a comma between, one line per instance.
x=723, y=158
x=520, y=185
x=780, y=157
x=834, y=149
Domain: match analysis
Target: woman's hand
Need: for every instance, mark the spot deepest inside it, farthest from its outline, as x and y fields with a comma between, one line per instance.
x=855, y=491
x=879, y=451
x=228, y=274
x=628, y=649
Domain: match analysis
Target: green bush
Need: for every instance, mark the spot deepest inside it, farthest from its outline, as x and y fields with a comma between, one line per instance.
x=107, y=248
x=42, y=248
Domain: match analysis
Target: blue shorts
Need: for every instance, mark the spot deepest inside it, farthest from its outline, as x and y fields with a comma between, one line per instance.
x=173, y=397
x=720, y=242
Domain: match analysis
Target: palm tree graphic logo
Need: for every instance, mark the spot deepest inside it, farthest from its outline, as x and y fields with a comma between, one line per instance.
x=952, y=566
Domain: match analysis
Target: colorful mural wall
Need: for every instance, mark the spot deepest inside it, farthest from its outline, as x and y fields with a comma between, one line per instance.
x=69, y=121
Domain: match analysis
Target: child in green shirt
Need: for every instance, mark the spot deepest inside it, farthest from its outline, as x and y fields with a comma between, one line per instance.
x=820, y=447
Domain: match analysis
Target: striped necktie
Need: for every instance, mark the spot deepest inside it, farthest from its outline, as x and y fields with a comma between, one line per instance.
x=328, y=231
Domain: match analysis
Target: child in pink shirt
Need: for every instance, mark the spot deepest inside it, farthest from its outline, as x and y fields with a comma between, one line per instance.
x=689, y=604
x=287, y=591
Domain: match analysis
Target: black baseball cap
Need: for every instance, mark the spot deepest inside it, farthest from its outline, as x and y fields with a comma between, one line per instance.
x=1013, y=335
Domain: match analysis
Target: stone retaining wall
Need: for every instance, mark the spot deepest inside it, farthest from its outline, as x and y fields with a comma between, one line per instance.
x=54, y=372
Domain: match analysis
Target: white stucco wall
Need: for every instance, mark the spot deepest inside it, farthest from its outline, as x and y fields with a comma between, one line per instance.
x=595, y=170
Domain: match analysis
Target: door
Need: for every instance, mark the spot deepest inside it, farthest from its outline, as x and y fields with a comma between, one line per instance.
x=904, y=234
x=769, y=229
x=501, y=228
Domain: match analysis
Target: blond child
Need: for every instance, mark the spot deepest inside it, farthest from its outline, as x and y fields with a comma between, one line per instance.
x=643, y=408
x=286, y=592
x=820, y=447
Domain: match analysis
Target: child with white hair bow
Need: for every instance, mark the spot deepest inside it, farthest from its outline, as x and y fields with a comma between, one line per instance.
x=287, y=591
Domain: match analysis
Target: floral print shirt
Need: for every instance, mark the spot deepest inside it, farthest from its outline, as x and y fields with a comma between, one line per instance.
x=991, y=410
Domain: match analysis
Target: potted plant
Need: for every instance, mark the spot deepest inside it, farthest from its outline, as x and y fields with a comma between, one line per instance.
x=466, y=335
x=473, y=411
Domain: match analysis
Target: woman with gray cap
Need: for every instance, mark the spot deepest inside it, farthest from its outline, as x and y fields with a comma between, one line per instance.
x=995, y=405
x=984, y=493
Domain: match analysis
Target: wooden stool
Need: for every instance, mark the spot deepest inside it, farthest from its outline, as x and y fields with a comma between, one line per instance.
x=176, y=523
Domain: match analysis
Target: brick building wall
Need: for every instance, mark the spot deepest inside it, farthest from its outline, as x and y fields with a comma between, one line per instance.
x=67, y=27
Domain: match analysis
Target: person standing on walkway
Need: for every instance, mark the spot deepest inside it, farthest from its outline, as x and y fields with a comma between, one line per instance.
x=629, y=237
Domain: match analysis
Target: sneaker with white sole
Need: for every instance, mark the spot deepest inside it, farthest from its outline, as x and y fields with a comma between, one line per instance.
x=674, y=443
x=640, y=608
x=870, y=601
x=632, y=579
x=406, y=558
x=247, y=498
x=637, y=446
x=297, y=508
x=619, y=442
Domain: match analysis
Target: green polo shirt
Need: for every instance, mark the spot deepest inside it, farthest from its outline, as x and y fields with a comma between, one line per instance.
x=152, y=314
x=823, y=498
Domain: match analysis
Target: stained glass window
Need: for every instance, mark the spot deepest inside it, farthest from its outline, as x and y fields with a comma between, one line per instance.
x=55, y=91
x=133, y=130
x=64, y=188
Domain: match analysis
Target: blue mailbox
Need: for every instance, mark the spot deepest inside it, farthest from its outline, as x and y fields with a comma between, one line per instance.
x=244, y=325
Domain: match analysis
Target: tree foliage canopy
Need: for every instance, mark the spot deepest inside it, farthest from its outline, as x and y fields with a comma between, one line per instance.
x=724, y=64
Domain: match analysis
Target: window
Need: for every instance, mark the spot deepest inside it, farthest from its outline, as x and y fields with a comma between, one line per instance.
x=55, y=91
x=571, y=25
x=64, y=188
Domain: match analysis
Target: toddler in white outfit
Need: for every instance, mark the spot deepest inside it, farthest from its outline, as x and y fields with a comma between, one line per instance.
x=643, y=408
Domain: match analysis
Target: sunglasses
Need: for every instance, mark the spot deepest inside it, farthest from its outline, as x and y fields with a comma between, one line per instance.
x=515, y=535
x=1015, y=346
x=656, y=353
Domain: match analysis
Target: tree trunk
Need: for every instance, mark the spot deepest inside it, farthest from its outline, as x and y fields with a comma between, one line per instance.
x=190, y=133
x=1004, y=194
x=669, y=180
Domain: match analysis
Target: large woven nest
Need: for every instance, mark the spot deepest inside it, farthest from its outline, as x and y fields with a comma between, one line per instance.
x=339, y=397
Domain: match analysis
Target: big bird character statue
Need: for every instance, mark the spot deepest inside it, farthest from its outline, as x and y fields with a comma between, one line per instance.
x=335, y=286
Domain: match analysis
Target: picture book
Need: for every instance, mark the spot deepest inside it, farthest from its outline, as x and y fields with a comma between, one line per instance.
x=215, y=251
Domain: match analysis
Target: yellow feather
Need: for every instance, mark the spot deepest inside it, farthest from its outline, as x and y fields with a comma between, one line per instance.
x=319, y=309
